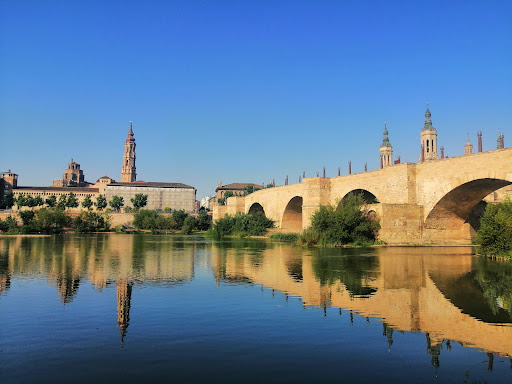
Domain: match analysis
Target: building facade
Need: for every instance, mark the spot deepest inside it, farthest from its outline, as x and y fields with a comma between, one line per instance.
x=160, y=195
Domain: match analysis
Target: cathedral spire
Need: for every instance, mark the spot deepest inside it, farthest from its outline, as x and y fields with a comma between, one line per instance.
x=128, y=170
x=428, y=139
x=468, y=147
x=386, y=149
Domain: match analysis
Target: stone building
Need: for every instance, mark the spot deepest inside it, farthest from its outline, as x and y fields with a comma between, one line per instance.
x=128, y=170
x=428, y=138
x=45, y=192
x=160, y=195
x=386, y=150
x=73, y=176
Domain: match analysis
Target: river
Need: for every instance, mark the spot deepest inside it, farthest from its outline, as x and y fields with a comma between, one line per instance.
x=158, y=308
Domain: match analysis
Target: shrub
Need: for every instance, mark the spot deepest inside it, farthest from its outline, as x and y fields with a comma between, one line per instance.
x=188, y=225
x=150, y=219
x=179, y=218
x=347, y=223
x=204, y=221
x=52, y=220
x=92, y=222
x=495, y=233
x=241, y=225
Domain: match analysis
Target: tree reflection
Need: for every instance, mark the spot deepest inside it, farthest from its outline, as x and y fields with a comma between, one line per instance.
x=351, y=268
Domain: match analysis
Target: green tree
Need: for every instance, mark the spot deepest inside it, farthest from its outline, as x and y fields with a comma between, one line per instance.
x=26, y=217
x=61, y=204
x=21, y=201
x=179, y=217
x=72, y=201
x=38, y=201
x=250, y=189
x=495, y=233
x=228, y=194
x=9, y=200
x=52, y=220
x=189, y=225
x=347, y=223
x=221, y=201
x=101, y=202
x=87, y=202
x=203, y=220
x=91, y=222
x=117, y=202
x=30, y=201
x=139, y=201
x=51, y=201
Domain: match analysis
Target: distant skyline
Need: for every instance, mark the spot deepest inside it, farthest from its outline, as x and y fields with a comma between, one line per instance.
x=245, y=91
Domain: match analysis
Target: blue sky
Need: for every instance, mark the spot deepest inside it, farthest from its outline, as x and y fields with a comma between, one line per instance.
x=245, y=91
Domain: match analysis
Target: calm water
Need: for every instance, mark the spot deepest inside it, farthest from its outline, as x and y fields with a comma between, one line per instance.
x=133, y=308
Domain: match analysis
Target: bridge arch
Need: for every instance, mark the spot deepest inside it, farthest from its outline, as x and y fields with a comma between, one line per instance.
x=452, y=210
x=367, y=196
x=292, y=216
x=256, y=208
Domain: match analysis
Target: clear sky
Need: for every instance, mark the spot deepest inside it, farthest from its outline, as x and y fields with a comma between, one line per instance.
x=245, y=91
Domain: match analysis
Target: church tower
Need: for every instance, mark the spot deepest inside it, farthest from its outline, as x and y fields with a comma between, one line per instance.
x=468, y=147
x=128, y=171
x=428, y=139
x=386, y=150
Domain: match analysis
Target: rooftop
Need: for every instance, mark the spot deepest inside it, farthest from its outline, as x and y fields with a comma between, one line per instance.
x=59, y=189
x=151, y=184
x=238, y=186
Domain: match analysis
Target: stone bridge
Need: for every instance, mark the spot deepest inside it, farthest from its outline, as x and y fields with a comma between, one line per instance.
x=428, y=202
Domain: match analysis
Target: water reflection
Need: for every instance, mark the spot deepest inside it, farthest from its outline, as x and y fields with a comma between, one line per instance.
x=446, y=293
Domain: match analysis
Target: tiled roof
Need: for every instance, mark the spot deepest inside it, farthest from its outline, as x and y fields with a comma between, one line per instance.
x=238, y=186
x=150, y=184
x=58, y=189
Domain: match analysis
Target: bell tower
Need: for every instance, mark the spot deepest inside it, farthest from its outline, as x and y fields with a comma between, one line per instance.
x=428, y=139
x=386, y=150
x=128, y=170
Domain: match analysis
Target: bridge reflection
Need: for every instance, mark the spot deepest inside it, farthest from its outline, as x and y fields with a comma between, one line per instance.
x=446, y=293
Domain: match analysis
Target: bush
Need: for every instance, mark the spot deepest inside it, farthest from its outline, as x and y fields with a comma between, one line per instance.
x=52, y=220
x=347, y=223
x=179, y=218
x=204, y=221
x=188, y=225
x=241, y=225
x=92, y=222
x=495, y=233
x=149, y=219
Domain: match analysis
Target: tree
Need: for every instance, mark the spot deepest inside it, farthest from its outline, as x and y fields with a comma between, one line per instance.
x=179, y=217
x=250, y=189
x=495, y=233
x=221, y=201
x=51, y=201
x=228, y=194
x=38, y=201
x=101, y=202
x=72, y=201
x=203, y=220
x=52, y=220
x=21, y=201
x=9, y=200
x=30, y=201
x=87, y=203
x=139, y=201
x=188, y=225
x=117, y=202
x=61, y=204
